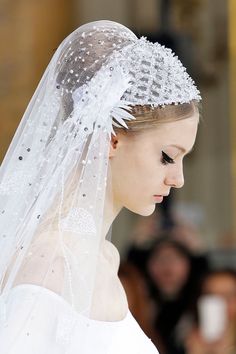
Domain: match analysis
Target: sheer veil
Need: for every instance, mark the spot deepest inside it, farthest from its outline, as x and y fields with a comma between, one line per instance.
x=55, y=178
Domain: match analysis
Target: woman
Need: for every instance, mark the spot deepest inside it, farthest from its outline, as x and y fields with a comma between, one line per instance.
x=174, y=273
x=105, y=129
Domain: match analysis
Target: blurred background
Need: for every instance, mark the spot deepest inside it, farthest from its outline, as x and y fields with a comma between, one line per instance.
x=186, y=251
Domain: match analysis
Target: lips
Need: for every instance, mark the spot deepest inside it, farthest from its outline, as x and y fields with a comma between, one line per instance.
x=158, y=198
x=161, y=195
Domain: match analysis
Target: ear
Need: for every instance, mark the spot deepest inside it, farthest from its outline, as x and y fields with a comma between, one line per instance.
x=113, y=145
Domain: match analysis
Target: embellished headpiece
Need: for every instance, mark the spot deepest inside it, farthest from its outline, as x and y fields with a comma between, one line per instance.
x=140, y=72
x=158, y=77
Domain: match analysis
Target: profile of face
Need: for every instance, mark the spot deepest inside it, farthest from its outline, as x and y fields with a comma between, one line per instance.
x=145, y=165
x=169, y=270
x=223, y=285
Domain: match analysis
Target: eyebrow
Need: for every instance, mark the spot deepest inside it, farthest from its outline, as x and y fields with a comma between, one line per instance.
x=182, y=149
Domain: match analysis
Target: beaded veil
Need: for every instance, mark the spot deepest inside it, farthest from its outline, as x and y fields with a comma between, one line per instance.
x=55, y=177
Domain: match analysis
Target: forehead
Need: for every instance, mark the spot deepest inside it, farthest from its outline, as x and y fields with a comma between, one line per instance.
x=179, y=132
x=220, y=281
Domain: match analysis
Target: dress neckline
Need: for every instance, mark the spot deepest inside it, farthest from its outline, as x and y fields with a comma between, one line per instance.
x=68, y=305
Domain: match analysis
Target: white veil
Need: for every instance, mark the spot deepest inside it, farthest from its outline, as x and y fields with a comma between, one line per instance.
x=54, y=173
x=55, y=177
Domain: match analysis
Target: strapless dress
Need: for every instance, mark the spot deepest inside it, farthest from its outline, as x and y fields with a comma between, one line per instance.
x=36, y=320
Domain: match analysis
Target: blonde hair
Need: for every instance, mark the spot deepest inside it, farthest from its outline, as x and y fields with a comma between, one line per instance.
x=148, y=117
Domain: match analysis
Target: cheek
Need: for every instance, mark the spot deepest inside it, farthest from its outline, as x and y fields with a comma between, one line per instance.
x=138, y=174
x=146, y=171
x=232, y=308
x=134, y=169
x=182, y=271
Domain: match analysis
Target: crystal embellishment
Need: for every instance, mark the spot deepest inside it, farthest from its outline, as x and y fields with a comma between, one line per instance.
x=13, y=184
x=158, y=76
x=79, y=221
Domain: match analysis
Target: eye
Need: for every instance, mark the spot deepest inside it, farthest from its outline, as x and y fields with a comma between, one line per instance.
x=166, y=159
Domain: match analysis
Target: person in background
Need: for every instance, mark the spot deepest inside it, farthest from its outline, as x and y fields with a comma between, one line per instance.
x=220, y=283
x=173, y=272
x=137, y=294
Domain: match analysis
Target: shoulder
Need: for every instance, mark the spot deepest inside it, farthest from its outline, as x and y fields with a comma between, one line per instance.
x=43, y=264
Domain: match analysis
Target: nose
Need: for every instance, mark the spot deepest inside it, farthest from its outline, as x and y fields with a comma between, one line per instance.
x=176, y=178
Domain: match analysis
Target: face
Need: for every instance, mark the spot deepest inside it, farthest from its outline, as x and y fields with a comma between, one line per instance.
x=169, y=270
x=223, y=285
x=146, y=165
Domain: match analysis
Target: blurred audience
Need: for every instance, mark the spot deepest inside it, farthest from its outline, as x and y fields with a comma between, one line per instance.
x=137, y=294
x=172, y=273
x=139, y=300
x=184, y=307
x=216, y=333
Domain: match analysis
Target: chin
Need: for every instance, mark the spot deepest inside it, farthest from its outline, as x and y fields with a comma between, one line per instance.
x=142, y=210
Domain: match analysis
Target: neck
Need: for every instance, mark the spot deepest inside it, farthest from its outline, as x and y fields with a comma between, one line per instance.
x=111, y=210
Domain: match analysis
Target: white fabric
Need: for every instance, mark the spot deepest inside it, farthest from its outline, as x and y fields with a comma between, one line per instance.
x=53, y=324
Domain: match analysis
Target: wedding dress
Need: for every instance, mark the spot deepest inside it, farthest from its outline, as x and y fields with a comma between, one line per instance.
x=54, y=327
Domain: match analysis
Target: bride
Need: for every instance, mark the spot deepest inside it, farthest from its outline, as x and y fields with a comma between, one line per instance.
x=108, y=127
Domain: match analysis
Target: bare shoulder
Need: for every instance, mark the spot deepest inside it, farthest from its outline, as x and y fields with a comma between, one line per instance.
x=42, y=265
x=111, y=254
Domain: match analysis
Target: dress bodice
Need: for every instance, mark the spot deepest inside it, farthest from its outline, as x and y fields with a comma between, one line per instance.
x=35, y=320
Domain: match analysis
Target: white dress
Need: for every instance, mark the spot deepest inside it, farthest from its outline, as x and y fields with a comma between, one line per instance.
x=54, y=327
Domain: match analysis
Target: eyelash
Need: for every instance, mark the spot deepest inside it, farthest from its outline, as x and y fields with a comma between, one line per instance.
x=165, y=160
